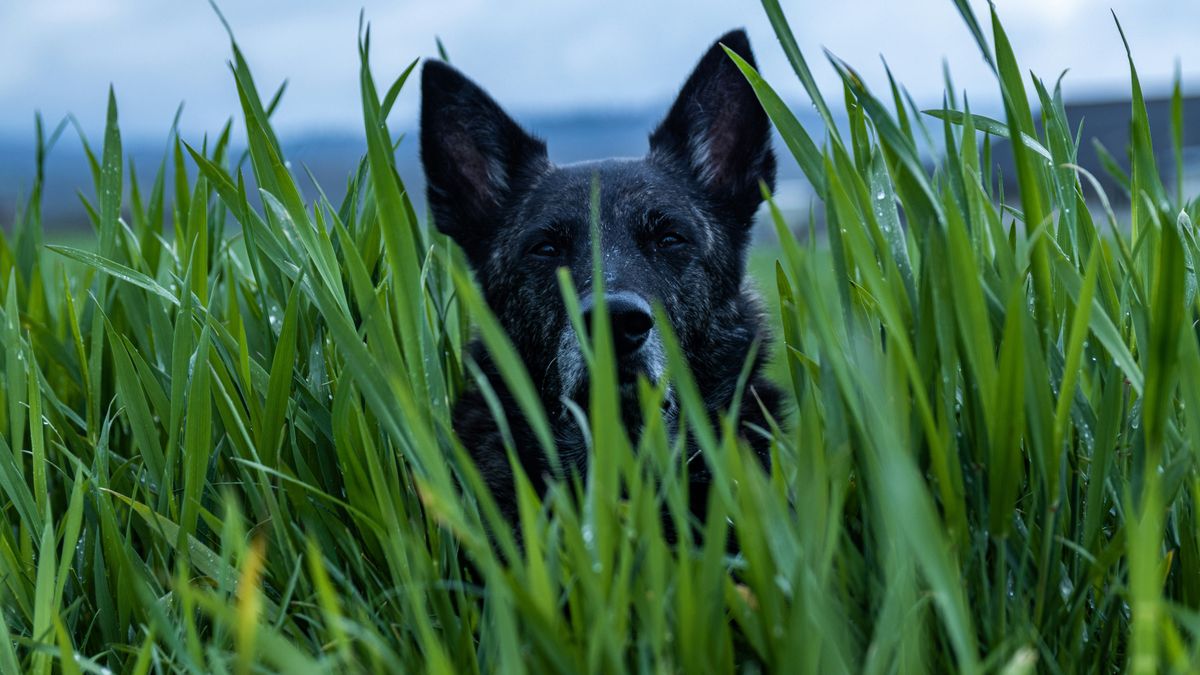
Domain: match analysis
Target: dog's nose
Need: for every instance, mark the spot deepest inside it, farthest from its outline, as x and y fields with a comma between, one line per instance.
x=630, y=317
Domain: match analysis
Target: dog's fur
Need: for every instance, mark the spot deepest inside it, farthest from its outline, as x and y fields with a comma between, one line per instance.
x=674, y=228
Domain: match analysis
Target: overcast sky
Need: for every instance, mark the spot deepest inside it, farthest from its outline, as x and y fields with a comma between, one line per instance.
x=59, y=56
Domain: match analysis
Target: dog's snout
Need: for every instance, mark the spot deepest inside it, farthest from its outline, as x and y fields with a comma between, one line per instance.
x=631, y=323
x=630, y=317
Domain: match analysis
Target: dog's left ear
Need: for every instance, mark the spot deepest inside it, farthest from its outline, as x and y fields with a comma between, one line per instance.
x=717, y=131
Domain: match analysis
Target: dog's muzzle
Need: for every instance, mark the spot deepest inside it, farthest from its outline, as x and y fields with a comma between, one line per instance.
x=636, y=343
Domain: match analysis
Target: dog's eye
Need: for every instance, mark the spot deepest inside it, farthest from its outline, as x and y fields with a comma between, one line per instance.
x=546, y=249
x=669, y=240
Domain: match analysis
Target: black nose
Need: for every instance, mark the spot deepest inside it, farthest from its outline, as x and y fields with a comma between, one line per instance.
x=631, y=320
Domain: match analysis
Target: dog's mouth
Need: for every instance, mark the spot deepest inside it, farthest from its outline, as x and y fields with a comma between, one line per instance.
x=629, y=372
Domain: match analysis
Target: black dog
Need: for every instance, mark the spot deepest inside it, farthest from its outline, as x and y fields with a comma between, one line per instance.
x=674, y=227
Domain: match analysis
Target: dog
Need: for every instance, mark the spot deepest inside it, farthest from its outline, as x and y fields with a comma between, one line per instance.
x=674, y=228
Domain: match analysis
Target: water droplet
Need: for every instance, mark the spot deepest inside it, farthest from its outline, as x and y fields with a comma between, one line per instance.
x=783, y=584
x=1066, y=587
x=879, y=195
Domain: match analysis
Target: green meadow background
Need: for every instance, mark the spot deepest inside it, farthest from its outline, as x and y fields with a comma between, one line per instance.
x=227, y=441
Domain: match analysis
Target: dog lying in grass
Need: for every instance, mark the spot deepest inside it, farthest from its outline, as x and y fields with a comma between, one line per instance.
x=674, y=227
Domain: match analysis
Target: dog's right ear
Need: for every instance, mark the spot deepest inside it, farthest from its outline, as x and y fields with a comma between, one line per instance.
x=474, y=155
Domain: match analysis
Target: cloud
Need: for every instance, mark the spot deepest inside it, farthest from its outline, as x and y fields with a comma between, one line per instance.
x=533, y=55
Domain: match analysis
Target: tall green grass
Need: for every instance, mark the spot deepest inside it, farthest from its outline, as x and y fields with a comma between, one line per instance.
x=227, y=439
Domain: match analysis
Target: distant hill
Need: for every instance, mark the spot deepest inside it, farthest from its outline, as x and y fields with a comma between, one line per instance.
x=332, y=157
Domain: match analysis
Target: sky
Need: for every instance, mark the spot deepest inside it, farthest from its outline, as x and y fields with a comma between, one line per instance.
x=536, y=57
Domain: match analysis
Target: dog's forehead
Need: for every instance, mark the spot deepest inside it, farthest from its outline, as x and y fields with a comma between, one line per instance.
x=628, y=189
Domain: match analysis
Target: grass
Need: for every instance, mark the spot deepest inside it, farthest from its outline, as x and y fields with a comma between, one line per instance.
x=229, y=449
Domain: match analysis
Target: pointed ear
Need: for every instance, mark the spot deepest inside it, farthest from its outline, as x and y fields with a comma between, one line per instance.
x=718, y=133
x=475, y=156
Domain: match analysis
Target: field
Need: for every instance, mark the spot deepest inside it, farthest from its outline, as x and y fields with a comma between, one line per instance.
x=227, y=446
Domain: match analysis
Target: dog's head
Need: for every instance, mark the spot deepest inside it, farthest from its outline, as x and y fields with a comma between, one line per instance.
x=673, y=225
